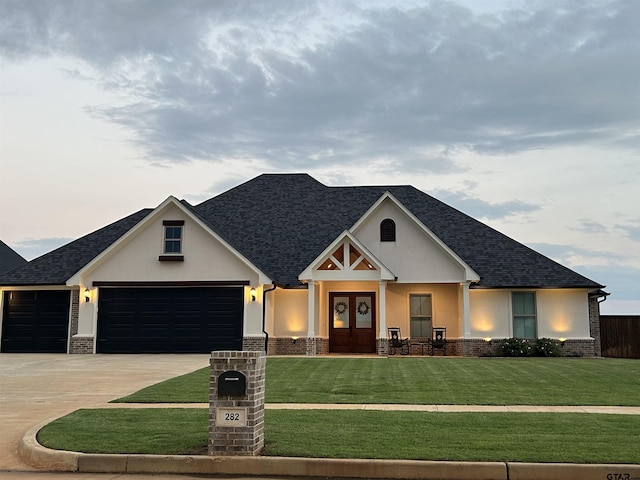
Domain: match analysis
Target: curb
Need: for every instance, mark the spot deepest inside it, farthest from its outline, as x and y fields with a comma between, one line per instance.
x=44, y=458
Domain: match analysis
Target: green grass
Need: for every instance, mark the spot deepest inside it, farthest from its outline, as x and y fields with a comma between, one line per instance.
x=169, y=431
x=523, y=437
x=465, y=381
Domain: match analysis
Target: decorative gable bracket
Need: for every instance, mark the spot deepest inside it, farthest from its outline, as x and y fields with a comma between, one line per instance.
x=346, y=258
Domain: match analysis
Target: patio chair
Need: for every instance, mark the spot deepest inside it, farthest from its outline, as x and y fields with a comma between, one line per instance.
x=438, y=340
x=396, y=342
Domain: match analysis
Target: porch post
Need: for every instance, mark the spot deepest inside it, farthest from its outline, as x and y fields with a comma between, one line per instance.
x=467, y=343
x=311, y=318
x=466, y=319
x=382, y=316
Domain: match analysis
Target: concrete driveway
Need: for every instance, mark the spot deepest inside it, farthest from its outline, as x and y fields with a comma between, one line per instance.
x=38, y=387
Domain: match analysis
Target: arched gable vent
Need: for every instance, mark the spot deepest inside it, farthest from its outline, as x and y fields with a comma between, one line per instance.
x=387, y=230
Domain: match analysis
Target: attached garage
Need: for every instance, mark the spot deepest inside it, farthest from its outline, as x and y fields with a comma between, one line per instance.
x=170, y=319
x=35, y=321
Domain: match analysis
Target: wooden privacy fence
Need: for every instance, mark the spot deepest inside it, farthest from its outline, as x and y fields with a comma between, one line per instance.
x=620, y=336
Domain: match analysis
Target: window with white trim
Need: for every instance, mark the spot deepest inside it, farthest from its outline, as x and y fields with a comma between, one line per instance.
x=524, y=315
x=420, y=310
x=173, y=237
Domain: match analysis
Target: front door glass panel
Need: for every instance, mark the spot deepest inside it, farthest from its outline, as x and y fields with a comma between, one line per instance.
x=340, y=312
x=363, y=312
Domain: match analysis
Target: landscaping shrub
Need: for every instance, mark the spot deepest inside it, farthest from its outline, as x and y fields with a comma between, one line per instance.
x=545, y=347
x=516, y=347
x=521, y=347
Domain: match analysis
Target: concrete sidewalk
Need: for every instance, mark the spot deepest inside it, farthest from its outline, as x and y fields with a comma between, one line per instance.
x=603, y=409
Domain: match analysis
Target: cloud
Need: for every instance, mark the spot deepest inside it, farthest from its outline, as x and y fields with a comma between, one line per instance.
x=611, y=269
x=335, y=82
x=632, y=230
x=589, y=226
x=34, y=247
x=479, y=208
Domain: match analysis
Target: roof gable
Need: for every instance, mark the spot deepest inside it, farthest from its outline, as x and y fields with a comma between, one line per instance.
x=170, y=202
x=469, y=274
x=346, y=258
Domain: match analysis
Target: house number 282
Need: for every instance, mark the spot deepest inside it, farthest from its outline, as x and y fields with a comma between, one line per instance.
x=231, y=417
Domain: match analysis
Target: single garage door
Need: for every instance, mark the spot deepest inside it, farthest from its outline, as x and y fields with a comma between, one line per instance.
x=35, y=321
x=170, y=320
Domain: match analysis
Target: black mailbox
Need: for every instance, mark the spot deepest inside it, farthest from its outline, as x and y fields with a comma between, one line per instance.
x=232, y=383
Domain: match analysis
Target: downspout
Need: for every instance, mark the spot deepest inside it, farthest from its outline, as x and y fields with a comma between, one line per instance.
x=264, y=320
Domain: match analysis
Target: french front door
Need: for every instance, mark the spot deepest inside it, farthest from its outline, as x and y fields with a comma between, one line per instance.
x=352, y=322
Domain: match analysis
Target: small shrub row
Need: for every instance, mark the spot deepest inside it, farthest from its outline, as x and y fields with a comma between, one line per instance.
x=521, y=347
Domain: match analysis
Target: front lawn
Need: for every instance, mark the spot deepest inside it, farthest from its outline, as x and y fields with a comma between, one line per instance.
x=518, y=437
x=428, y=380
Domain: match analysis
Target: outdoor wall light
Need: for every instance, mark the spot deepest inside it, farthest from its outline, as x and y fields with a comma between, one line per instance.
x=487, y=339
x=87, y=295
x=253, y=294
x=294, y=340
x=562, y=340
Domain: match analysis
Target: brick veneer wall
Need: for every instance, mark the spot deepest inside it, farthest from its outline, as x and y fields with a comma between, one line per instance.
x=594, y=325
x=287, y=346
x=238, y=440
x=75, y=309
x=456, y=347
x=81, y=345
x=253, y=344
x=77, y=344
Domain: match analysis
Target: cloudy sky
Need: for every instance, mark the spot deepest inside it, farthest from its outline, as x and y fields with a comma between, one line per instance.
x=523, y=114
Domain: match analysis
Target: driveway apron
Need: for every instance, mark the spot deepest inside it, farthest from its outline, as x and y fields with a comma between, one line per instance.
x=38, y=387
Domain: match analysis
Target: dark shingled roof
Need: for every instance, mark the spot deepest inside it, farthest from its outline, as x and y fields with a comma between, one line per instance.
x=9, y=258
x=282, y=222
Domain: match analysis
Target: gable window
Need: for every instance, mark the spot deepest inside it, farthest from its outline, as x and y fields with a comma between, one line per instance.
x=172, y=247
x=420, y=311
x=387, y=230
x=524, y=315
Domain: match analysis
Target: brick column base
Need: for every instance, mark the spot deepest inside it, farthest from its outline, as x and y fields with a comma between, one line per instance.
x=236, y=403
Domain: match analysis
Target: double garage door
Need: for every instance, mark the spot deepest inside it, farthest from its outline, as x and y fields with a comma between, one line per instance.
x=130, y=320
x=170, y=320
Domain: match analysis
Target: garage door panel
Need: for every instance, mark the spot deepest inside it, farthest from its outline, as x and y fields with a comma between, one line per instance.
x=170, y=320
x=35, y=321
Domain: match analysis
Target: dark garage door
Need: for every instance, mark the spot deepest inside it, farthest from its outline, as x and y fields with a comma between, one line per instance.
x=35, y=321
x=170, y=320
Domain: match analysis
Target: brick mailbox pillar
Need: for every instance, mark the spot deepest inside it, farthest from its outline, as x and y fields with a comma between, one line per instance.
x=236, y=403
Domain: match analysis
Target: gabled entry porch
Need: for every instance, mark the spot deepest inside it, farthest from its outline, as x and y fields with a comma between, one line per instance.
x=346, y=299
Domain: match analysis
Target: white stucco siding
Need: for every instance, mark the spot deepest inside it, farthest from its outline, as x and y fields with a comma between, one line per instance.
x=290, y=313
x=563, y=313
x=444, y=304
x=205, y=258
x=490, y=313
x=559, y=312
x=414, y=256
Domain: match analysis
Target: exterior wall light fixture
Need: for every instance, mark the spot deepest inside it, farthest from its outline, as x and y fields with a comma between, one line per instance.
x=562, y=340
x=253, y=294
x=294, y=340
x=87, y=295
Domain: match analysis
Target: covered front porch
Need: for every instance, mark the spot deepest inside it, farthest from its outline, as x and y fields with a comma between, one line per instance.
x=352, y=317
